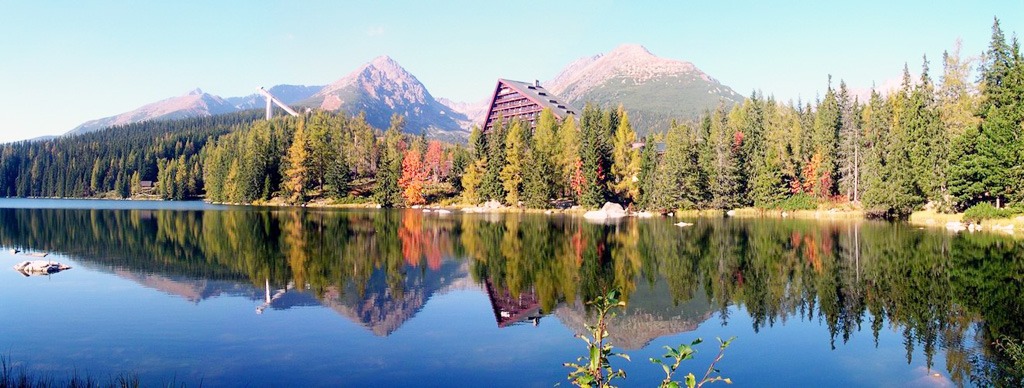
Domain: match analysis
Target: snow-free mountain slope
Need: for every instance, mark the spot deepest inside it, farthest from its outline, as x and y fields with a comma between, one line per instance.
x=382, y=87
x=654, y=90
x=194, y=104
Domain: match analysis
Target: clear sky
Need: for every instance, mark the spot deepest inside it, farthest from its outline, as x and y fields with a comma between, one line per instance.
x=65, y=62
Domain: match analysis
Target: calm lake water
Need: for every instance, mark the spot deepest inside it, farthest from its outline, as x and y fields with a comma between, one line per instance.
x=227, y=296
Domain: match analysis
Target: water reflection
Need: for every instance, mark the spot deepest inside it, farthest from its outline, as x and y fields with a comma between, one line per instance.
x=379, y=268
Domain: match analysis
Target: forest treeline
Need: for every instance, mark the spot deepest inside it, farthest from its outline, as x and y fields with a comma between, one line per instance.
x=952, y=142
x=113, y=162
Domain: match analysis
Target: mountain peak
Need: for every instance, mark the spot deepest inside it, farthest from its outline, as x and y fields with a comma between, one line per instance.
x=654, y=89
x=631, y=50
x=195, y=92
x=382, y=87
x=383, y=60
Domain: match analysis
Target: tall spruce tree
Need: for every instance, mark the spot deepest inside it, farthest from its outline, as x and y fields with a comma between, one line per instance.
x=647, y=173
x=725, y=176
x=926, y=138
x=876, y=118
x=594, y=155
x=491, y=187
x=824, y=138
x=386, y=191
x=848, y=151
x=989, y=170
x=769, y=181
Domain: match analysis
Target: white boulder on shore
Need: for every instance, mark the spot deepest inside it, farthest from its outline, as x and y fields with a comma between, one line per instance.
x=610, y=210
x=485, y=207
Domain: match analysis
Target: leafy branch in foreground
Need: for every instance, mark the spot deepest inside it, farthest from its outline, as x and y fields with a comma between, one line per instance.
x=686, y=352
x=596, y=370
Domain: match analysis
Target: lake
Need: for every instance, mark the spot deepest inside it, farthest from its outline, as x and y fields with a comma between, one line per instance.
x=207, y=295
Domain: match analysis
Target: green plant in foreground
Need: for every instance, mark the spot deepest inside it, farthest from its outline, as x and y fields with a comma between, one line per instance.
x=686, y=352
x=1014, y=351
x=595, y=369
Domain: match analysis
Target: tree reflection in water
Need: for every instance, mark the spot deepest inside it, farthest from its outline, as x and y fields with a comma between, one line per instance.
x=958, y=293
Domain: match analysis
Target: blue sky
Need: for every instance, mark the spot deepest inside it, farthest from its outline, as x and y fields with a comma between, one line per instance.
x=65, y=62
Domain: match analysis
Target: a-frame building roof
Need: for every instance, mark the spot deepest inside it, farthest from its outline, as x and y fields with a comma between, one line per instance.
x=523, y=100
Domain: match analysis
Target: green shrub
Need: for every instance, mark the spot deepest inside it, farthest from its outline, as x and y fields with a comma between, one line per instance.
x=985, y=211
x=800, y=201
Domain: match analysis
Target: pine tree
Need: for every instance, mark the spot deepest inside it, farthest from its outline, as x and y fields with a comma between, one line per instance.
x=625, y=161
x=876, y=118
x=322, y=140
x=725, y=176
x=297, y=174
x=477, y=143
x=895, y=193
x=491, y=186
x=848, y=151
x=515, y=160
x=926, y=139
x=769, y=181
x=386, y=191
x=362, y=149
x=338, y=176
x=990, y=168
x=568, y=157
x=536, y=185
x=594, y=155
x=539, y=180
x=460, y=162
x=647, y=174
x=678, y=182
x=824, y=138
x=471, y=180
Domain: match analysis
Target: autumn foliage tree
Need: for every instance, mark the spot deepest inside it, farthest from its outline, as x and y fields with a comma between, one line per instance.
x=414, y=178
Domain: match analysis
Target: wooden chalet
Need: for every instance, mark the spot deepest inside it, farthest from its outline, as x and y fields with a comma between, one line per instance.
x=523, y=100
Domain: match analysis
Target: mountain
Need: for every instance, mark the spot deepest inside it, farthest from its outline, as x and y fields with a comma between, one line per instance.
x=382, y=87
x=288, y=94
x=194, y=104
x=475, y=112
x=653, y=90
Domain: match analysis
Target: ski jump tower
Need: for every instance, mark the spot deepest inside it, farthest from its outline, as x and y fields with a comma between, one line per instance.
x=271, y=101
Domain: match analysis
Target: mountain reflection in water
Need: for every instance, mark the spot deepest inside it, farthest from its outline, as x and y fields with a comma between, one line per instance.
x=955, y=293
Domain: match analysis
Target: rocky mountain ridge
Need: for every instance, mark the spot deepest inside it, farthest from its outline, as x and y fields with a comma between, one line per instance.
x=653, y=90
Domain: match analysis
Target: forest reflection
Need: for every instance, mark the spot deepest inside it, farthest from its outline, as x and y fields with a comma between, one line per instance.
x=957, y=293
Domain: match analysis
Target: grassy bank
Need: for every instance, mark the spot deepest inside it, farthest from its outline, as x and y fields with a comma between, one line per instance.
x=12, y=376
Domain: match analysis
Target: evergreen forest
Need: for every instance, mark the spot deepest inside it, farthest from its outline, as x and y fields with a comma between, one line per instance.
x=946, y=140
